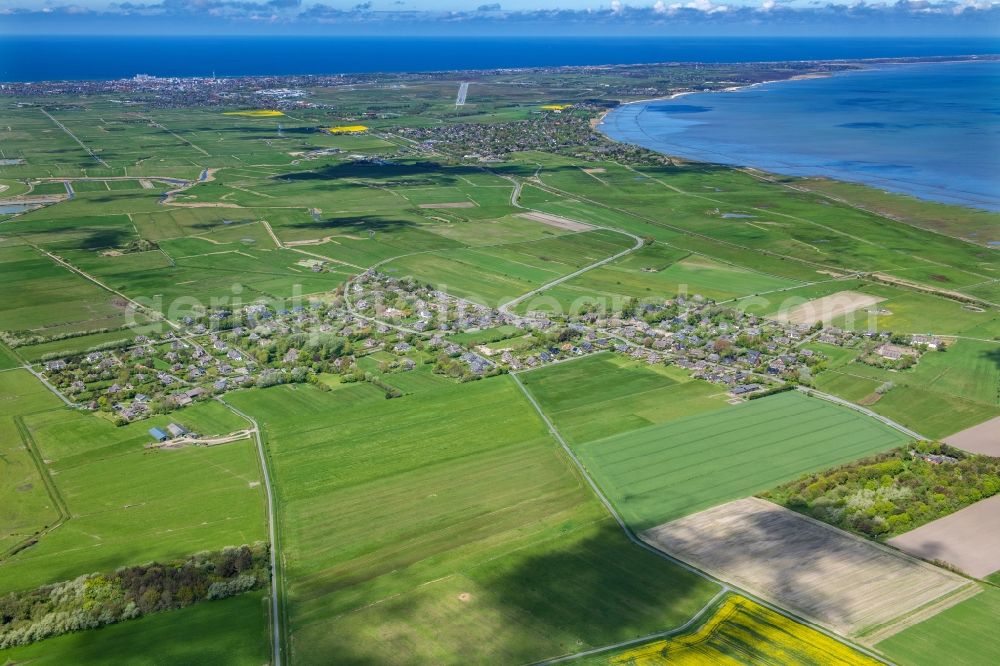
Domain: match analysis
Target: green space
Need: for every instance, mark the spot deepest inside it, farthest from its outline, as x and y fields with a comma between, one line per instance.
x=963, y=634
x=604, y=395
x=893, y=492
x=26, y=503
x=400, y=527
x=229, y=631
x=663, y=472
x=945, y=392
x=126, y=504
x=653, y=274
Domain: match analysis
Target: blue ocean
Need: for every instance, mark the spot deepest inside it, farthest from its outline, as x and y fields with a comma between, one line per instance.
x=48, y=58
x=928, y=130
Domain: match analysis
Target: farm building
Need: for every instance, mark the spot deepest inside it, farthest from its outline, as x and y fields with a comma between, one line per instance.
x=891, y=351
x=158, y=435
x=176, y=429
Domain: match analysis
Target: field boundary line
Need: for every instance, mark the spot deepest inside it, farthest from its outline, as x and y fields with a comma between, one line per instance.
x=50, y=487
x=73, y=136
x=932, y=608
x=710, y=606
x=639, y=242
x=277, y=608
x=670, y=558
x=858, y=408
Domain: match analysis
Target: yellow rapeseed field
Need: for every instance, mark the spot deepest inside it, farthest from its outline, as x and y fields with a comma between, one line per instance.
x=347, y=129
x=262, y=113
x=556, y=107
x=742, y=632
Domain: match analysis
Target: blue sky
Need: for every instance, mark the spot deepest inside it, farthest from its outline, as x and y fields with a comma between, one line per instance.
x=506, y=17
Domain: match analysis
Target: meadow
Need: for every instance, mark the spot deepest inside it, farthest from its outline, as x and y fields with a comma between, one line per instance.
x=474, y=528
x=654, y=274
x=231, y=631
x=604, y=395
x=942, y=394
x=26, y=505
x=968, y=625
x=666, y=471
x=125, y=504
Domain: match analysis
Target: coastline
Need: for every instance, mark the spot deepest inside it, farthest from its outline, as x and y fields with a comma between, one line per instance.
x=886, y=185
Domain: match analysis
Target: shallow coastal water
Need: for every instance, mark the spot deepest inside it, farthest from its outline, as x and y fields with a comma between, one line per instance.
x=929, y=130
x=110, y=57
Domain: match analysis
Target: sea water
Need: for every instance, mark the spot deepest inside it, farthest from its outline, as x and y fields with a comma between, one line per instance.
x=928, y=130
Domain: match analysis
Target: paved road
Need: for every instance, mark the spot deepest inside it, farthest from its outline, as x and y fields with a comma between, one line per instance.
x=858, y=408
x=276, y=634
x=463, y=90
x=45, y=382
x=505, y=308
x=726, y=587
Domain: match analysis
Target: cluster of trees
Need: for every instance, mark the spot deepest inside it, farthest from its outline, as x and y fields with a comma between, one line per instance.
x=139, y=245
x=95, y=600
x=891, y=493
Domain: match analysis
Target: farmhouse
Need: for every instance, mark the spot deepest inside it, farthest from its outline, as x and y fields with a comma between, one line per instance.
x=894, y=352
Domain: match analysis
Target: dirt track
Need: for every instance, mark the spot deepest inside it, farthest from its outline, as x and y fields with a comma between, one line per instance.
x=556, y=221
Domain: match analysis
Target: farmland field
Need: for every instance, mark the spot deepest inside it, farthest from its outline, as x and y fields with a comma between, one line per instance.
x=968, y=540
x=653, y=274
x=164, y=243
x=827, y=576
x=604, y=395
x=387, y=509
x=970, y=629
x=944, y=393
x=231, y=631
x=740, y=631
x=189, y=500
x=663, y=472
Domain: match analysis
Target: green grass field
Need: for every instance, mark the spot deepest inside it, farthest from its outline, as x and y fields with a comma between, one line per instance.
x=446, y=524
x=662, y=472
x=128, y=505
x=963, y=635
x=231, y=631
x=26, y=505
x=655, y=273
x=401, y=527
x=605, y=394
x=944, y=393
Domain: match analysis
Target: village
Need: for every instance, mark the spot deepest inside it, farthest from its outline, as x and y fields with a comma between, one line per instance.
x=378, y=325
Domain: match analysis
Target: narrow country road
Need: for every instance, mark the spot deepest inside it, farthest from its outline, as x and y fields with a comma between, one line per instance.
x=726, y=587
x=864, y=410
x=505, y=308
x=276, y=578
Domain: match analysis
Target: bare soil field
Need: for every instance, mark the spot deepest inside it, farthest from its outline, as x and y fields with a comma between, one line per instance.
x=969, y=539
x=556, y=221
x=983, y=438
x=825, y=575
x=828, y=308
x=454, y=204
